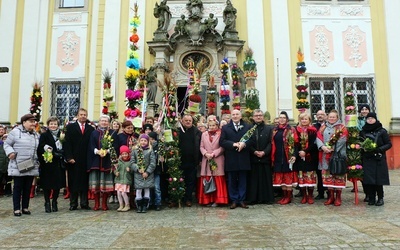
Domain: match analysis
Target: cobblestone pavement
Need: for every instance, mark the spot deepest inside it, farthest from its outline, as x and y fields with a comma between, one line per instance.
x=294, y=226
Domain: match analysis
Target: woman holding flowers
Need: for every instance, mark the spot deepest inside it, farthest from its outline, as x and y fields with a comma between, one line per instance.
x=283, y=156
x=103, y=146
x=332, y=137
x=376, y=143
x=212, y=165
x=52, y=173
x=307, y=158
x=144, y=164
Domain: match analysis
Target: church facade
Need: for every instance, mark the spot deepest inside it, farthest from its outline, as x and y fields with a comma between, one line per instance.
x=67, y=45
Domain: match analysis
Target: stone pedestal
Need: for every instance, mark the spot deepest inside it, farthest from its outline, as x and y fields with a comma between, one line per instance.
x=160, y=36
x=231, y=49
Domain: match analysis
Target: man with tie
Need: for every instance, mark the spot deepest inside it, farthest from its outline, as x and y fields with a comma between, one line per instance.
x=237, y=158
x=76, y=147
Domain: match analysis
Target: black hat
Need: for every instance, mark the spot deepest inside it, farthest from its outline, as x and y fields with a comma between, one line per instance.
x=153, y=135
x=372, y=114
x=363, y=106
x=147, y=126
x=28, y=117
x=285, y=114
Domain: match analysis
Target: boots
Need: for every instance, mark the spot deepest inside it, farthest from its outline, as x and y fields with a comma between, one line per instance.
x=331, y=198
x=283, y=197
x=47, y=207
x=338, y=200
x=104, y=201
x=138, y=205
x=90, y=195
x=126, y=208
x=54, y=205
x=145, y=204
x=304, y=193
x=67, y=193
x=32, y=191
x=96, y=201
x=310, y=195
x=288, y=198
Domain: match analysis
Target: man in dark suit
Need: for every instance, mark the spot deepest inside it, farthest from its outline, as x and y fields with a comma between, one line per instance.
x=189, y=145
x=321, y=117
x=260, y=189
x=237, y=158
x=76, y=147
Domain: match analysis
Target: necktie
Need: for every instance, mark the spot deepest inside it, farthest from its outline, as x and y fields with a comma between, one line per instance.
x=83, y=128
x=236, y=126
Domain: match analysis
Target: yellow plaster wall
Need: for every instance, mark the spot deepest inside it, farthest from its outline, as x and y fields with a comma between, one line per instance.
x=296, y=41
x=381, y=62
x=16, y=62
x=241, y=26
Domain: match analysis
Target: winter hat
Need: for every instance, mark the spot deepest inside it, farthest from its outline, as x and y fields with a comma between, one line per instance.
x=372, y=114
x=28, y=117
x=153, y=135
x=147, y=126
x=124, y=149
x=363, y=106
x=144, y=136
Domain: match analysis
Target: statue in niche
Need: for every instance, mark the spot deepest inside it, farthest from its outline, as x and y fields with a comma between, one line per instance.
x=180, y=25
x=162, y=12
x=211, y=23
x=229, y=17
x=195, y=8
x=152, y=83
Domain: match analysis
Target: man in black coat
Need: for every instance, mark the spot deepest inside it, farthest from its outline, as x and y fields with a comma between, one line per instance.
x=76, y=147
x=189, y=145
x=260, y=189
x=237, y=158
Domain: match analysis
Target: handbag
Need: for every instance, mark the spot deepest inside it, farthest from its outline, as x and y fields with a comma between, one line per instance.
x=25, y=166
x=209, y=186
x=337, y=164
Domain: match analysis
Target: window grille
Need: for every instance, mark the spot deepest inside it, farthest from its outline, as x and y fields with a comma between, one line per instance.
x=72, y=3
x=327, y=93
x=65, y=99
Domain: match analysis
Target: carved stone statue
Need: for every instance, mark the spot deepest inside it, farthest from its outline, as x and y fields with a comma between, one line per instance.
x=229, y=17
x=151, y=84
x=162, y=12
x=195, y=8
x=211, y=23
x=180, y=25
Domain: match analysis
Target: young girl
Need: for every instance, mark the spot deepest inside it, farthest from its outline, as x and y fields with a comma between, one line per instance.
x=123, y=178
x=144, y=164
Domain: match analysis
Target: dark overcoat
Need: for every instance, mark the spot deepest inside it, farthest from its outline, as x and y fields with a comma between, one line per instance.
x=374, y=163
x=52, y=174
x=95, y=162
x=76, y=147
x=234, y=160
x=262, y=142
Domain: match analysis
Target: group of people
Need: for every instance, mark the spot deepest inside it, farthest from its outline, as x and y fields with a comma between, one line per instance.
x=246, y=162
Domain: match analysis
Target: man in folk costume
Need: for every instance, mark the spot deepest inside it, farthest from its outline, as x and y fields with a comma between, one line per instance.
x=100, y=161
x=237, y=158
x=260, y=182
x=76, y=146
x=332, y=137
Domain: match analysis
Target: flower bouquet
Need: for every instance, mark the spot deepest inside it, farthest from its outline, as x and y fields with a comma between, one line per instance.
x=290, y=146
x=334, y=138
x=212, y=164
x=106, y=143
x=368, y=145
x=140, y=160
x=48, y=156
x=355, y=171
x=248, y=134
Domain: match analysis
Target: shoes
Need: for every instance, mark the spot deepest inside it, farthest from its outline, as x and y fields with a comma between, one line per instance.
x=47, y=207
x=120, y=208
x=243, y=205
x=188, y=204
x=158, y=208
x=26, y=211
x=366, y=199
x=54, y=206
x=379, y=202
x=71, y=208
x=17, y=213
x=214, y=205
x=233, y=205
x=85, y=207
x=299, y=194
x=126, y=208
x=319, y=197
x=353, y=190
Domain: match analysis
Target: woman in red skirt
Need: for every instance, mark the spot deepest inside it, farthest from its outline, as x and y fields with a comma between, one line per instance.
x=212, y=165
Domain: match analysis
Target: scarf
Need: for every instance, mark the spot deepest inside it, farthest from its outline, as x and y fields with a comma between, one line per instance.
x=372, y=127
x=211, y=134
